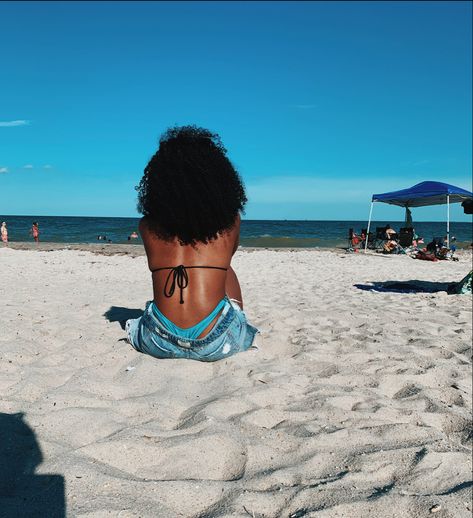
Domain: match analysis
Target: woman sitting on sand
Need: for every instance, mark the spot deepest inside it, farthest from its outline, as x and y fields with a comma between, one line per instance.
x=390, y=232
x=191, y=197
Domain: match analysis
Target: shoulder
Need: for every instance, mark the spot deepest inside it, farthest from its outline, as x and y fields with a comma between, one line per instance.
x=142, y=226
x=237, y=223
x=235, y=231
x=148, y=235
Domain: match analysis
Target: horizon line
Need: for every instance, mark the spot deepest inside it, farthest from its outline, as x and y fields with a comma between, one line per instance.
x=5, y=216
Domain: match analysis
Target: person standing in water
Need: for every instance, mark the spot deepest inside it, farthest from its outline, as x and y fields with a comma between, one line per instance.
x=4, y=232
x=35, y=231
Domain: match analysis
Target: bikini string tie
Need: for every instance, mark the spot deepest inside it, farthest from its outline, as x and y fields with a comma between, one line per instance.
x=177, y=275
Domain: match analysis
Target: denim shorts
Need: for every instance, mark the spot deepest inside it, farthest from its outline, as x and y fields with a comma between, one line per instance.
x=231, y=334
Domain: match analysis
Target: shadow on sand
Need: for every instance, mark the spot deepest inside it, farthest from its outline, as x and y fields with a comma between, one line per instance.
x=414, y=286
x=22, y=493
x=121, y=315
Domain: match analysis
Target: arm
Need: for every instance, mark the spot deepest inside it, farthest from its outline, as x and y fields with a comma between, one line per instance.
x=237, y=234
x=232, y=286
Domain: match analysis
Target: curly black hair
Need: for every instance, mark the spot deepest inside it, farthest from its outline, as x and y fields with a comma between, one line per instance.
x=190, y=189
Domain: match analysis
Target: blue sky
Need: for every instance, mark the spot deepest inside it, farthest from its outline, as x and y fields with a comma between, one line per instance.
x=320, y=104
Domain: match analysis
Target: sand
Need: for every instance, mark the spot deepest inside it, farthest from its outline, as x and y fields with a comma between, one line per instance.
x=356, y=404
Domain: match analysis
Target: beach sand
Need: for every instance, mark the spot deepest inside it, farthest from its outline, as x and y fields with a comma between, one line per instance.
x=356, y=404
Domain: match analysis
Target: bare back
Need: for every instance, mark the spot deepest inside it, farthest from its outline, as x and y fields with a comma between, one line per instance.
x=206, y=287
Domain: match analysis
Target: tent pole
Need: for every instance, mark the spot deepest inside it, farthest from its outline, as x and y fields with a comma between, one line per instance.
x=448, y=221
x=368, y=229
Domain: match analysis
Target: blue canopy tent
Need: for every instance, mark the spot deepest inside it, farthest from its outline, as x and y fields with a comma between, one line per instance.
x=421, y=195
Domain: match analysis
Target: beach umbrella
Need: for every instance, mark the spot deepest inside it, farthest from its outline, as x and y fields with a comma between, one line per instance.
x=421, y=195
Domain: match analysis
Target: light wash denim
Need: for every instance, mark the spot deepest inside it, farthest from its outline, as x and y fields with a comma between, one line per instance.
x=231, y=334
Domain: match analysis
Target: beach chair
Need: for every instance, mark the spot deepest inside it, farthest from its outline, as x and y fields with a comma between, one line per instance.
x=350, y=238
x=370, y=236
x=392, y=247
x=380, y=237
x=406, y=236
x=354, y=240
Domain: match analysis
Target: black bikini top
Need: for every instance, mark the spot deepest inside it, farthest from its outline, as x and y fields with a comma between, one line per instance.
x=178, y=275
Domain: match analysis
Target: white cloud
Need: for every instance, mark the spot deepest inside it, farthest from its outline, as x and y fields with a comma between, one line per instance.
x=3, y=169
x=12, y=124
x=28, y=166
x=47, y=166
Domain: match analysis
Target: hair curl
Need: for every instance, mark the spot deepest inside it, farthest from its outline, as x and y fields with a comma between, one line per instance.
x=190, y=189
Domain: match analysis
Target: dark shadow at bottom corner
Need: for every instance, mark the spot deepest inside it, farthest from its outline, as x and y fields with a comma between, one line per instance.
x=22, y=493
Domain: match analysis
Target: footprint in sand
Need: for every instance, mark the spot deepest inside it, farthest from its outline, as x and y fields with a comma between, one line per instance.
x=407, y=391
x=459, y=429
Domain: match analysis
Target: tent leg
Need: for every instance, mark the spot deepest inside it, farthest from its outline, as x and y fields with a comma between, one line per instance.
x=448, y=221
x=368, y=229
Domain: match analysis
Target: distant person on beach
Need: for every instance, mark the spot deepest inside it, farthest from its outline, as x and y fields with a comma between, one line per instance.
x=191, y=197
x=453, y=244
x=4, y=232
x=133, y=235
x=102, y=238
x=390, y=231
x=416, y=239
x=35, y=231
x=390, y=246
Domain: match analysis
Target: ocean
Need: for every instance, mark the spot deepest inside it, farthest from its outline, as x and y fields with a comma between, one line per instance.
x=254, y=233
